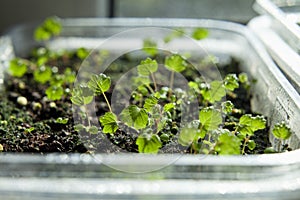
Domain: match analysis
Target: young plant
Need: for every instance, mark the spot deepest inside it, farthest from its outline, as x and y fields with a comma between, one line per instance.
x=43, y=74
x=199, y=33
x=282, y=132
x=109, y=123
x=149, y=143
x=246, y=127
x=148, y=67
x=174, y=63
x=49, y=28
x=18, y=67
x=135, y=117
x=228, y=144
x=100, y=83
x=209, y=120
x=54, y=92
x=82, y=95
x=150, y=47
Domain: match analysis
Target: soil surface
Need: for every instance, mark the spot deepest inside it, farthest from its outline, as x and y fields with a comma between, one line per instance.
x=26, y=128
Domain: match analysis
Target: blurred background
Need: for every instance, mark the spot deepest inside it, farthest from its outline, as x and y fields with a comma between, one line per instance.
x=13, y=12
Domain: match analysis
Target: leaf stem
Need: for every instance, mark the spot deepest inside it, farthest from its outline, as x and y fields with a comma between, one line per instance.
x=107, y=102
x=87, y=115
x=154, y=81
x=279, y=146
x=151, y=90
x=171, y=84
x=244, y=145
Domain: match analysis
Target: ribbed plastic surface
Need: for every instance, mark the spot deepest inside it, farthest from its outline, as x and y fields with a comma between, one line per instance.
x=284, y=14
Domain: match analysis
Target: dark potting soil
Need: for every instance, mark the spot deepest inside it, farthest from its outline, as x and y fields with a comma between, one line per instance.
x=25, y=128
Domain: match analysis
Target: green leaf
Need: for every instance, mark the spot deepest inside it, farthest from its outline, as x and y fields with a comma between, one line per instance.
x=43, y=74
x=147, y=67
x=82, y=95
x=109, y=123
x=210, y=118
x=99, y=83
x=249, y=124
x=193, y=85
x=215, y=92
x=57, y=79
x=53, y=25
x=17, y=67
x=150, y=47
x=281, y=131
x=143, y=90
x=50, y=27
x=41, y=34
x=188, y=135
x=29, y=130
x=150, y=102
x=227, y=107
x=42, y=60
x=231, y=82
x=79, y=127
x=161, y=124
x=228, y=144
x=169, y=106
x=61, y=120
x=148, y=143
x=54, y=92
x=200, y=33
x=70, y=75
x=135, y=117
x=141, y=80
x=243, y=77
x=82, y=53
x=251, y=144
x=270, y=150
x=175, y=63
x=92, y=129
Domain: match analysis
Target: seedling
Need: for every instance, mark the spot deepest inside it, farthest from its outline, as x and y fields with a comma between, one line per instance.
x=149, y=143
x=17, y=67
x=148, y=67
x=175, y=63
x=150, y=47
x=54, y=92
x=61, y=120
x=100, y=84
x=155, y=112
x=282, y=132
x=49, y=28
x=200, y=33
x=109, y=123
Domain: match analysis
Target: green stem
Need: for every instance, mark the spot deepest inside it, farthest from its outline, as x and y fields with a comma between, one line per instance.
x=107, y=102
x=154, y=81
x=87, y=116
x=279, y=146
x=171, y=83
x=151, y=90
x=244, y=145
x=236, y=129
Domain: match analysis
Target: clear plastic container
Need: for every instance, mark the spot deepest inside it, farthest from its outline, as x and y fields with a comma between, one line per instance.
x=286, y=58
x=285, y=15
x=102, y=176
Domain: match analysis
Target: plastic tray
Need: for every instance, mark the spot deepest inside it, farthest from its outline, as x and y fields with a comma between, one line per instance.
x=286, y=58
x=284, y=14
x=74, y=176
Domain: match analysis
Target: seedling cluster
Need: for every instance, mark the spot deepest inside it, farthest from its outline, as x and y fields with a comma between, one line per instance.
x=155, y=111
